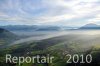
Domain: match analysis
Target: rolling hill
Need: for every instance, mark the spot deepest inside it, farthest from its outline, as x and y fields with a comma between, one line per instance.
x=90, y=26
x=6, y=37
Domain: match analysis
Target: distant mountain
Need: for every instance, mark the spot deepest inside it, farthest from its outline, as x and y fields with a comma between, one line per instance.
x=48, y=28
x=19, y=27
x=30, y=27
x=90, y=26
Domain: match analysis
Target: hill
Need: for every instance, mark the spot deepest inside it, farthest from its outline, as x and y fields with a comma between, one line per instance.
x=6, y=37
x=90, y=26
x=6, y=34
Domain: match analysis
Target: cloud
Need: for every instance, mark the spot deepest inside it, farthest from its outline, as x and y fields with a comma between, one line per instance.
x=96, y=19
x=50, y=12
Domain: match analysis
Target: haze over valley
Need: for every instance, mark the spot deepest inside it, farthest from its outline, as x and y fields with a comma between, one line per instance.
x=55, y=27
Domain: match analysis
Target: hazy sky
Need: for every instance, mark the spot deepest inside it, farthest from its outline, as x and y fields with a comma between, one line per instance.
x=49, y=12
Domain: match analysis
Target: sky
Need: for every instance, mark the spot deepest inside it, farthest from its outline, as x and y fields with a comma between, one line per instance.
x=49, y=12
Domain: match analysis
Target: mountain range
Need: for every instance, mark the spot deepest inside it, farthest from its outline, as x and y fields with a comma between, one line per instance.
x=47, y=28
x=30, y=27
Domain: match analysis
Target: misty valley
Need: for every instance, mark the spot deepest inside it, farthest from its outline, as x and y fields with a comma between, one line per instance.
x=49, y=32
x=56, y=43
